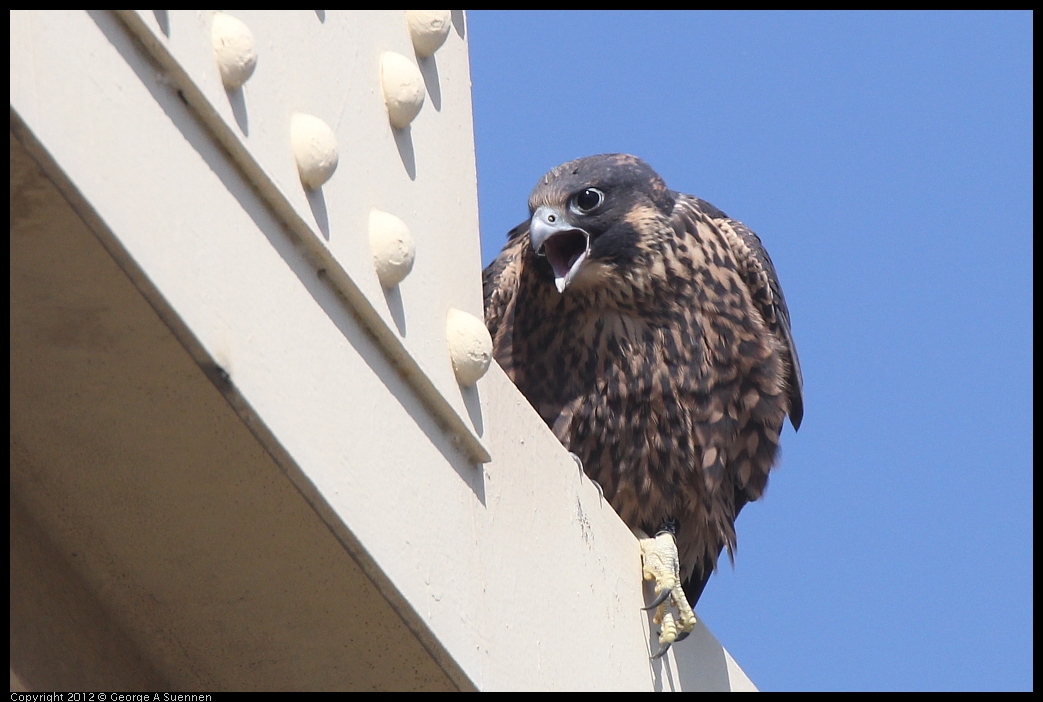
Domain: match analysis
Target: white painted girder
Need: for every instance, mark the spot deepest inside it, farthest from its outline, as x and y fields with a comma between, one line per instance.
x=514, y=568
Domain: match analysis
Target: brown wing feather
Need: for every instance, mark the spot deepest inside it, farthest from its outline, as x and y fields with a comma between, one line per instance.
x=758, y=272
x=500, y=287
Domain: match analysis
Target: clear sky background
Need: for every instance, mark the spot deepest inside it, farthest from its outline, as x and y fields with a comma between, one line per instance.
x=886, y=162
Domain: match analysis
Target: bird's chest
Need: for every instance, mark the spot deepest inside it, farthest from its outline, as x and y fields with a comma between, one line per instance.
x=607, y=366
x=648, y=379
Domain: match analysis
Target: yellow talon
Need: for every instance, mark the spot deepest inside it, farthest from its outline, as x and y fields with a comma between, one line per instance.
x=659, y=562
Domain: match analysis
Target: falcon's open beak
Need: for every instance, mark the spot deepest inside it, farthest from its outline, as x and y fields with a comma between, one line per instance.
x=565, y=246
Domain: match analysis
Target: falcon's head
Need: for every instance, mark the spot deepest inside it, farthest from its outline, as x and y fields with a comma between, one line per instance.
x=594, y=211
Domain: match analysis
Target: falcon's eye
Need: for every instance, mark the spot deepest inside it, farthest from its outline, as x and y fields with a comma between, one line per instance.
x=587, y=201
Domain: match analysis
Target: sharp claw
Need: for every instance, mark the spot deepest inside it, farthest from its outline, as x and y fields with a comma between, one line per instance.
x=601, y=493
x=662, y=652
x=577, y=460
x=682, y=636
x=660, y=599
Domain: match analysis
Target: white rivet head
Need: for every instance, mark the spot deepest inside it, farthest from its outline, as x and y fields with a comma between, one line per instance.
x=470, y=346
x=315, y=148
x=234, y=48
x=392, y=246
x=403, y=88
x=428, y=29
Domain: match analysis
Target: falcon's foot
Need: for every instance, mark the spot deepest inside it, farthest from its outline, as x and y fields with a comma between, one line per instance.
x=660, y=563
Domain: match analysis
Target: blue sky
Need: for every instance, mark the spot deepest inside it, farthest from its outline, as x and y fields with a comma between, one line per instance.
x=885, y=160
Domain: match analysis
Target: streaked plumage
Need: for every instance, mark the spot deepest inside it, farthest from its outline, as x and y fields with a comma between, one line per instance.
x=666, y=363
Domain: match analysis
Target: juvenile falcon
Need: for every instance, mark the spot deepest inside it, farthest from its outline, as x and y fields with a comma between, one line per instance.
x=650, y=332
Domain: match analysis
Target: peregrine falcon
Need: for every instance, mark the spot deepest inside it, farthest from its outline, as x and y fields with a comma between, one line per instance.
x=649, y=331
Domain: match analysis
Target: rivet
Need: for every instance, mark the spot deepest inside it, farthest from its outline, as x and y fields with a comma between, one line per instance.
x=392, y=246
x=234, y=48
x=470, y=346
x=428, y=29
x=314, y=148
x=403, y=88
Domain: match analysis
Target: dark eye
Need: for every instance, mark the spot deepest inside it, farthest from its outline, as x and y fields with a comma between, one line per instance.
x=587, y=200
